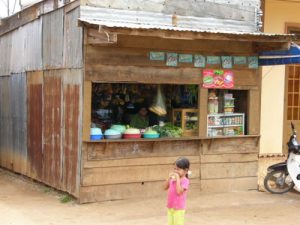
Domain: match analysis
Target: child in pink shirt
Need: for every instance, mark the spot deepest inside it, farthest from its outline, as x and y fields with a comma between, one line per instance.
x=177, y=185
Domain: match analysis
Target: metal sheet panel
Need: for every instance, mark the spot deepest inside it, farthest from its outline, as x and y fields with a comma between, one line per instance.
x=13, y=115
x=154, y=20
x=33, y=46
x=218, y=14
x=35, y=124
x=71, y=129
x=72, y=40
x=5, y=53
x=19, y=122
x=52, y=123
x=17, y=51
x=53, y=32
x=6, y=132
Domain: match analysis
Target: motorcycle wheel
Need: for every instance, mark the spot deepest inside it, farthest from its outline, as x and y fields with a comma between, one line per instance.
x=278, y=182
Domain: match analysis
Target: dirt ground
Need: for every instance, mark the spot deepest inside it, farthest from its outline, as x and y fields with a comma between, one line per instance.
x=23, y=202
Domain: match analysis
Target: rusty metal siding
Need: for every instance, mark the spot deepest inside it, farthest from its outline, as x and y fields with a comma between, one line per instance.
x=52, y=123
x=35, y=124
x=71, y=142
x=5, y=52
x=72, y=40
x=54, y=127
x=53, y=32
x=19, y=122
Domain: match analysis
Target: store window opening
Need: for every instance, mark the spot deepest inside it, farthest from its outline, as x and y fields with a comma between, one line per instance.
x=127, y=110
x=227, y=112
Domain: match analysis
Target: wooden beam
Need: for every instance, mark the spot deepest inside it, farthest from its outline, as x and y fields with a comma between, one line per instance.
x=101, y=37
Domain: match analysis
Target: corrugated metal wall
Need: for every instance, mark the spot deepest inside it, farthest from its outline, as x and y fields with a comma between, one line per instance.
x=53, y=39
x=41, y=100
x=13, y=119
x=54, y=121
x=72, y=46
x=5, y=53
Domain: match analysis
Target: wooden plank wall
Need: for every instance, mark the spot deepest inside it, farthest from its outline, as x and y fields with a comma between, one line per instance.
x=121, y=170
x=116, y=170
x=229, y=164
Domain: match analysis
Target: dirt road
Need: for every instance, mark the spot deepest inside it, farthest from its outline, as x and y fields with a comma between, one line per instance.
x=23, y=202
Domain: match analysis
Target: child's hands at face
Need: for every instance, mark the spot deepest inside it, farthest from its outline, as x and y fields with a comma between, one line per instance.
x=174, y=175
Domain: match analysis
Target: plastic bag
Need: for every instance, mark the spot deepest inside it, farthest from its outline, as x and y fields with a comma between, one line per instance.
x=159, y=106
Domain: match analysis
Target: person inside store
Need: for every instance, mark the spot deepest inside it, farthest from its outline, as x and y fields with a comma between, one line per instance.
x=140, y=120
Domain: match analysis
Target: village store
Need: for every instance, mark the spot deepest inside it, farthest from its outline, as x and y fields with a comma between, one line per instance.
x=204, y=86
x=210, y=86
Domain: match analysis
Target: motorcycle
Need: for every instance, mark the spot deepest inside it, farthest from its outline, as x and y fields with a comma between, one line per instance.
x=283, y=177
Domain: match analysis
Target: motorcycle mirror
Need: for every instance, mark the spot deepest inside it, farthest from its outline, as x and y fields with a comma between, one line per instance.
x=292, y=125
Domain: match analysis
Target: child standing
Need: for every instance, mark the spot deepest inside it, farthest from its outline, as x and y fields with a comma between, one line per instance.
x=177, y=185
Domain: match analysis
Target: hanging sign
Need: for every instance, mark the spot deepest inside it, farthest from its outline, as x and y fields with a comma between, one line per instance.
x=222, y=79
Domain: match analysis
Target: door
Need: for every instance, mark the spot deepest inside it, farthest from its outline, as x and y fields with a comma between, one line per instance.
x=292, y=94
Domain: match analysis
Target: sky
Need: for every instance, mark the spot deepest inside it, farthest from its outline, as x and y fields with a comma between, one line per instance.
x=13, y=5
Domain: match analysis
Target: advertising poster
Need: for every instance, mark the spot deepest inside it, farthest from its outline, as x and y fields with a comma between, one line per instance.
x=171, y=59
x=221, y=79
x=199, y=61
x=185, y=58
x=158, y=56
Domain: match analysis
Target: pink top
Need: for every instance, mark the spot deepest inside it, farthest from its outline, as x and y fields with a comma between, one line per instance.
x=176, y=201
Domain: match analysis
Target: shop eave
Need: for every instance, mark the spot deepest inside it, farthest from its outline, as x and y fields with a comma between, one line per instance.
x=187, y=34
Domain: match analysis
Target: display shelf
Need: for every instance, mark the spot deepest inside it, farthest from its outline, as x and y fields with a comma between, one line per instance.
x=187, y=119
x=225, y=124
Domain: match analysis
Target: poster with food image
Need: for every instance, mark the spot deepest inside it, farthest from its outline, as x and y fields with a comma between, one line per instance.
x=222, y=79
x=171, y=59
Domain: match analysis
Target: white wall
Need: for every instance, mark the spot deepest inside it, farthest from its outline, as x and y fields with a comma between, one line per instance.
x=277, y=14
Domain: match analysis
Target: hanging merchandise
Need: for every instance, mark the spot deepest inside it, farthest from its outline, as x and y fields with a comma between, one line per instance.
x=213, y=103
x=159, y=106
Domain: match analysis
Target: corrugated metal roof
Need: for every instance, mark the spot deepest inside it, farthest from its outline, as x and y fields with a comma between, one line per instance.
x=115, y=18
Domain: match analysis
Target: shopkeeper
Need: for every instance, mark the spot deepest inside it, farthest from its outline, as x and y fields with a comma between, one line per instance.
x=140, y=120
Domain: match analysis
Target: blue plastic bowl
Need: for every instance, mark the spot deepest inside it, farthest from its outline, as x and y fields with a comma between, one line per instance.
x=151, y=135
x=96, y=137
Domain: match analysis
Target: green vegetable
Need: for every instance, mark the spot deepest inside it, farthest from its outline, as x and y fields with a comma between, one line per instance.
x=208, y=79
x=168, y=130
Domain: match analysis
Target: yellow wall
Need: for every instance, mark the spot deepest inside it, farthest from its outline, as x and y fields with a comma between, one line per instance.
x=277, y=14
